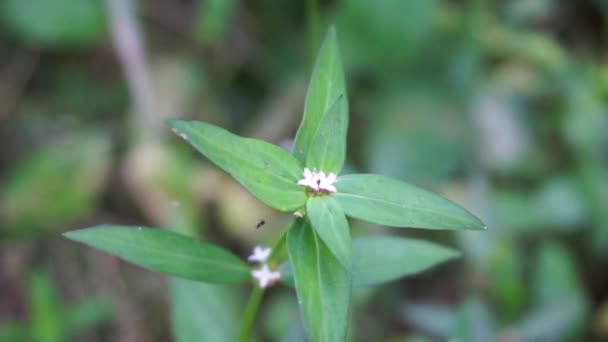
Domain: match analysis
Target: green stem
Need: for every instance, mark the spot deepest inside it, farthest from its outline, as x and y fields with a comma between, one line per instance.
x=255, y=298
x=250, y=312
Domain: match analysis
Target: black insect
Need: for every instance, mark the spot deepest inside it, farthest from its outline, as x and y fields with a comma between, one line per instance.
x=261, y=223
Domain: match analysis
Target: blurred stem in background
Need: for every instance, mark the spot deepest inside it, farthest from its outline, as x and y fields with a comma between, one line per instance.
x=130, y=51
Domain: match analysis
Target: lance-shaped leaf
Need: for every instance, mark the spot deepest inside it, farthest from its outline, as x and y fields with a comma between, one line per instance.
x=323, y=286
x=326, y=85
x=328, y=147
x=379, y=259
x=265, y=170
x=166, y=252
x=328, y=220
x=387, y=201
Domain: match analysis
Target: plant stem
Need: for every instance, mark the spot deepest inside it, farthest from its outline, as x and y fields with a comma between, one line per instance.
x=250, y=312
x=255, y=298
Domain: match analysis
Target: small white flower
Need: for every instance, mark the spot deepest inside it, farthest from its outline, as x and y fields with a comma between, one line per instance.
x=311, y=179
x=265, y=276
x=317, y=181
x=298, y=214
x=325, y=183
x=260, y=254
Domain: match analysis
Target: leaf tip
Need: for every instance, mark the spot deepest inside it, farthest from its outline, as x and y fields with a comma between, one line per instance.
x=176, y=124
x=178, y=127
x=74, y=235
x=331, y=37
x=332, y=30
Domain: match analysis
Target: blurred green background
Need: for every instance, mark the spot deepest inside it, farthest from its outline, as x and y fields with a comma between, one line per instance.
x=501, y=106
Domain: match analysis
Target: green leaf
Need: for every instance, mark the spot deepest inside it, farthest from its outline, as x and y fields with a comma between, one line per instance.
x=323, y=286
x=201, y=312
x=328, y=147
x=46, y=325
x=379, y=259
x=265, y=170
x=212, y=19
x=326, y=85
x=34, y=196
x=328, y=220
x=387, y=201
x=556, y=281
x=166, y=252
x=60, y=23
x=10, y=331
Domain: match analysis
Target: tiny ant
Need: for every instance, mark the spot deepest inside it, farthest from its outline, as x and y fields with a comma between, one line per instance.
x=261, y=223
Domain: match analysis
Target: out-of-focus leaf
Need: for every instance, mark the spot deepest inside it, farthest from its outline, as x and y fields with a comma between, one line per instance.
x=390, y=202
x=473, y=322
x=553, y=321
x=556, y=281
x=328, y=146
x=323, y=286
x=201, y=312
x=326, y=85
x=55, y=22
x=505, y=274
x=267, y=171
x=14, y=332
x=328, y=220
x=166, y=252
x=415, y=134
x=87, y=315
x=555, y=274
x=376, y=35
x=36, y=195
x=558, y=204
x=584, y=122
x=379, y=259
x=435, y=319
x=212, y=19
x=522, y=11
x=593, y=179
x=46, y=324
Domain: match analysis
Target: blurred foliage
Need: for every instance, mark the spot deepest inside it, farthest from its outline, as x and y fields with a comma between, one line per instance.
x=55, y=23
x=49, y=321
x=500, y=106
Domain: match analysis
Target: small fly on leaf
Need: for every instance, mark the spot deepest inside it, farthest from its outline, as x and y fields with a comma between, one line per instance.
x=260, y=224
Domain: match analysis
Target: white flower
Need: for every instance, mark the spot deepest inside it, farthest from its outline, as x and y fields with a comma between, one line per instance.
x=311, y=179
x=325, y=183
x=260, y=254
x=317, y=181
x=265, y=277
